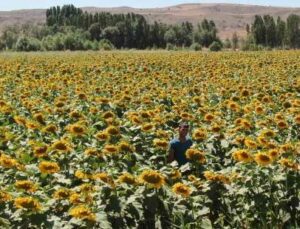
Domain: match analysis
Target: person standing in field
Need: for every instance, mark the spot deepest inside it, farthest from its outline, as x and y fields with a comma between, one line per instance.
x=178, y=146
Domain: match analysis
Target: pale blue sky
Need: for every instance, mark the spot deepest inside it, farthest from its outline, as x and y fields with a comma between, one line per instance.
x=38, y=4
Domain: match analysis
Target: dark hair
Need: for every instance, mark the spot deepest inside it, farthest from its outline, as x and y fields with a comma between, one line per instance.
x=183, y=124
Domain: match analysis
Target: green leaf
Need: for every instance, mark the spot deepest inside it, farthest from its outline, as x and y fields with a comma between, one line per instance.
x=4, y=223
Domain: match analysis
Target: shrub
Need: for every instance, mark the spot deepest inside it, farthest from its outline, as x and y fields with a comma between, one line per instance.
x=196, y=47
x=28, y=44
x=106, y=45
x=215, y=46
x=170, y=46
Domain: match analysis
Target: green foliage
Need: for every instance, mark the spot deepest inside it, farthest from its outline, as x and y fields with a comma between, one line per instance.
x=270, y=34
x=106, y=45
x=234, y=41
x=28, y=44
x=95, y=31
x=196, y=47
x=206, y=33
x=170, y=46
x=227, y=44
x=293, y=30
x=215, y=46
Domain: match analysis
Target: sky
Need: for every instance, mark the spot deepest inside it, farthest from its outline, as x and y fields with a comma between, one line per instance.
x=42, y=4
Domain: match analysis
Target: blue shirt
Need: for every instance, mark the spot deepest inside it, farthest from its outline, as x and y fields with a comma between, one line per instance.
x=179, y=149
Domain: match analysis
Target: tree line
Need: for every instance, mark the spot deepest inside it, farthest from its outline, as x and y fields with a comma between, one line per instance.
x=274, y=33
x=68, y=27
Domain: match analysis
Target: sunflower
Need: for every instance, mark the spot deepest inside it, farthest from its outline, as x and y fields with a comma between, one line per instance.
x=147, y=127
x=209, y=117
x=195, y=155
x=175, y=174
x=233, y=106
x=75, y=114
x=108, y=114
x=259, y=110
x=288, y=164
x=104, y=177
x=75, y=198
x=77, y=129
x=39, y=117
x=199, y=135
x=59, y=104
x=160, y=143
x=87, y=188
x=27, y=203
x=32, y=125
x=282, y=124
x=181, y=189
x=250, y=143
x=242, y=156
x=216, y=128
x=152, y=178
x=263, y=141
x=110, y=149
x=81, y=175
x=127, y=178
x=50, y=129
x=26, y=185
x=7, y=161
x=48, y=167
x=287, y=147
x=61, y=146
x=246, y=124
x=245, y=93
x=268, y=133
x=162, y=134
x=83, y=213
x=62, y=193
x=5, y=197
x=239, y=140
x=40, y=151
x=20, y=120
x=112, y=130
x=102, y=136
x=92, y=152
x=125, y=147
x=211, y=176
x=262, y=159
x=274, y=154
x=144, y=114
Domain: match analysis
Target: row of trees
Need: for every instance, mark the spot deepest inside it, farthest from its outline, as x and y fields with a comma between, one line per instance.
x=266, y=32
x=69, y=27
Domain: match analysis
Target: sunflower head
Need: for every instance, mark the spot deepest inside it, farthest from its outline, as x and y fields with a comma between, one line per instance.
x=160, y=143
x=26, y=185
x=181, y=189
x=127, y=178
x=195, y=155
x=82, y=212
x=152, y=178
x=262, y=159
x=27, y=203
x=48, y=167
x=199, y=135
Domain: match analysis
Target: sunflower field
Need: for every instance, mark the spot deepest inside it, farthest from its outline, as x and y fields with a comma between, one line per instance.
x=84, y=139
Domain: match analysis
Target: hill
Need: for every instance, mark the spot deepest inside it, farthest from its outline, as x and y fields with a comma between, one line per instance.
x=228, y=17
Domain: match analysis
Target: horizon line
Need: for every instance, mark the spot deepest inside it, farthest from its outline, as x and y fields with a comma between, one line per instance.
x=159, y=7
